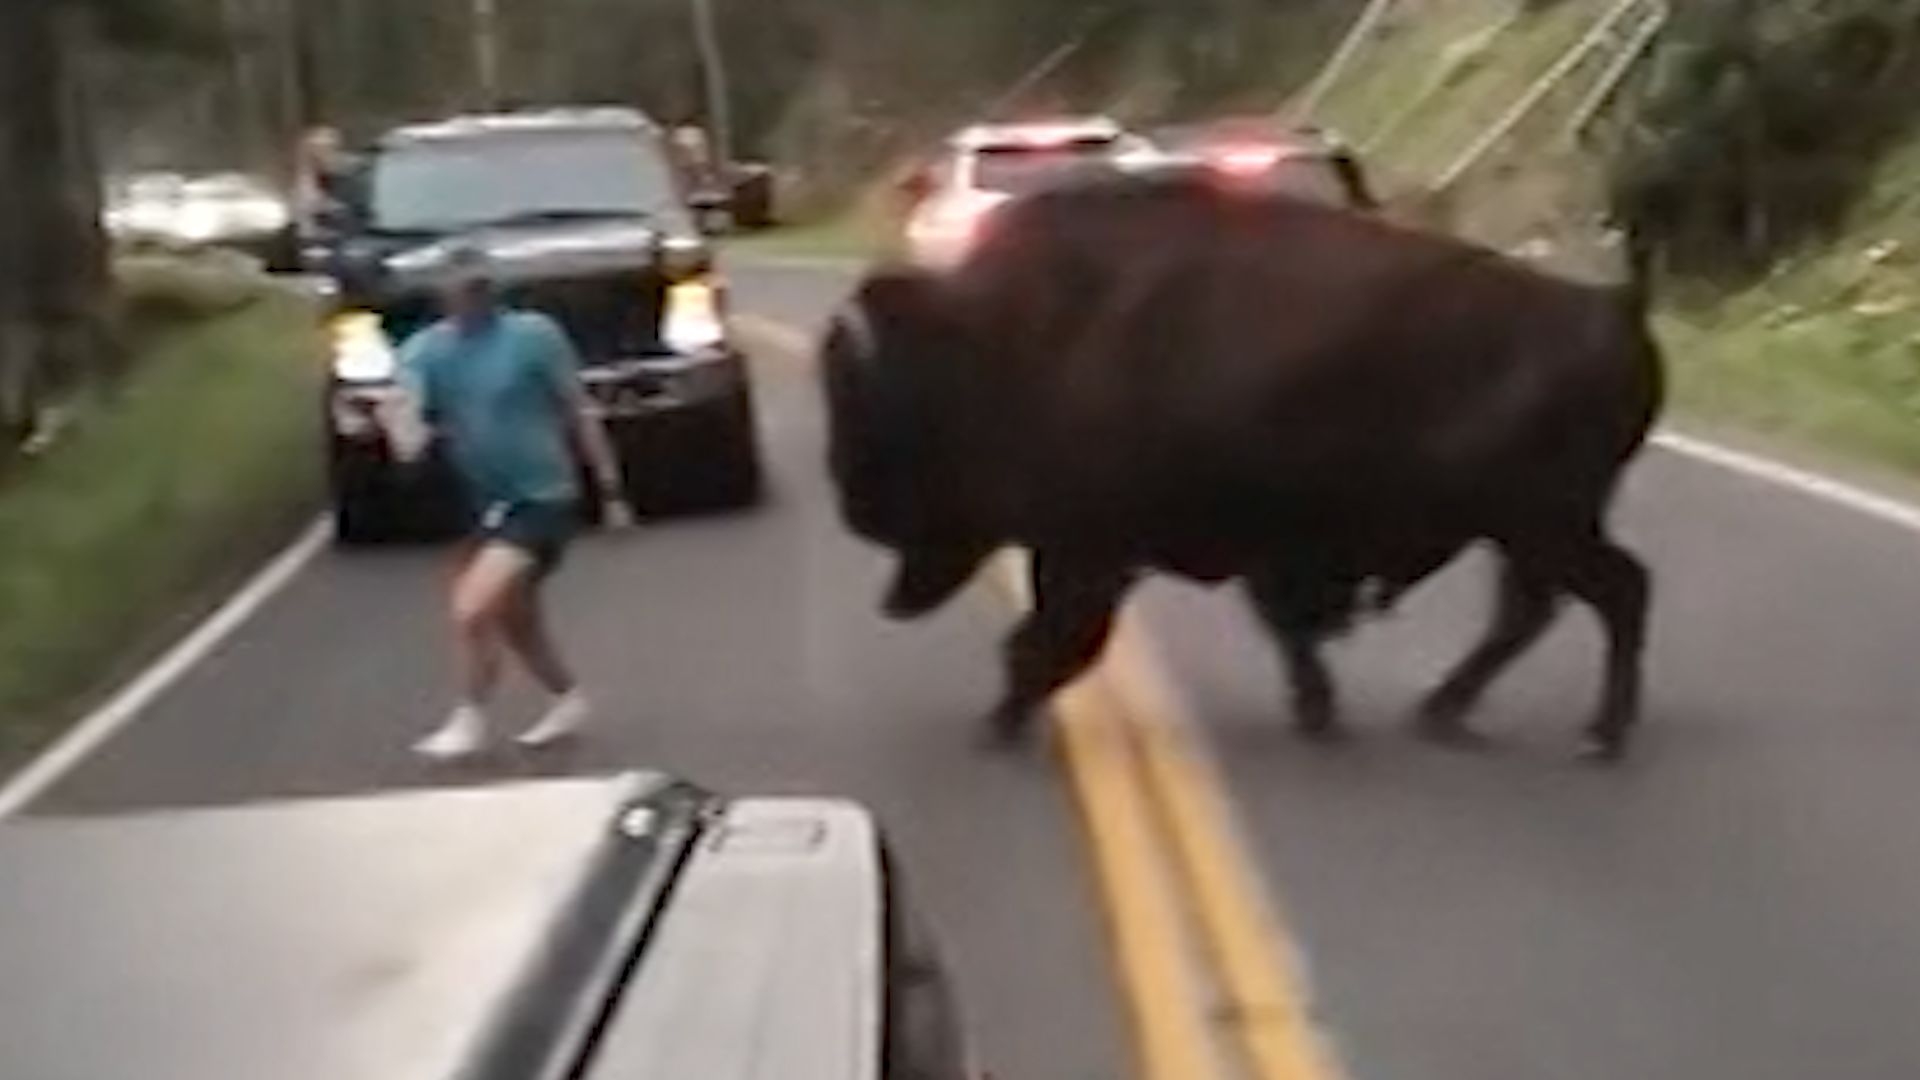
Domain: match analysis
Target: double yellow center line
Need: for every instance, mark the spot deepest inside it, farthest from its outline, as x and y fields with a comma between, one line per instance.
x=1213, y=986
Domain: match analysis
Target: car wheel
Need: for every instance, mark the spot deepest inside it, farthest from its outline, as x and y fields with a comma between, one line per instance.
x=360, y=517
x=356, y=524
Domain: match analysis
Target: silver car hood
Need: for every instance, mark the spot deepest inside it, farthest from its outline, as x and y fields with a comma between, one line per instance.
x=768, y=964
x=472, y=933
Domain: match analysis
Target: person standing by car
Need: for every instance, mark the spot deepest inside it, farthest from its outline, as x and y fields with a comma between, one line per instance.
x=501, y=388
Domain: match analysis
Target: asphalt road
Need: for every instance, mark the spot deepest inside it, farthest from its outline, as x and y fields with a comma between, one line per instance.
x=1736, y=903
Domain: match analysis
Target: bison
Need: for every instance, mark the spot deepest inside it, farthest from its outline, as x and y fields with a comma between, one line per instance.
x=1154, y=375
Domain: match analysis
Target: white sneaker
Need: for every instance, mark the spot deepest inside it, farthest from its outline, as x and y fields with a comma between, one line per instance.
x=563, y=720
x=463, y=735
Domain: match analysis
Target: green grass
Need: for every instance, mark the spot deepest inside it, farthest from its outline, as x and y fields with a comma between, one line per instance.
x=202, y=459
x=1821, y=359
x=1826, y=352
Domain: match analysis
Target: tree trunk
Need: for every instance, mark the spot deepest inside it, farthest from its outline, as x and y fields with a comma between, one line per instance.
x=24, y=97
x=54, y=282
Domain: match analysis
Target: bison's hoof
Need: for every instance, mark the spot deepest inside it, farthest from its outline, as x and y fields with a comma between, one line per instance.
x=1450, y=731
x=1320, y=729
x=1006, y=727
x=1602, y=749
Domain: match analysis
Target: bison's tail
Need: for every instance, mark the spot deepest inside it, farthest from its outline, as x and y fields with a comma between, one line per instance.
x=1636, y=288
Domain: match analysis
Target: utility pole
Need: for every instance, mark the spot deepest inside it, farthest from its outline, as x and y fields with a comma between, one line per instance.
x=714, y=73
x=486, y=51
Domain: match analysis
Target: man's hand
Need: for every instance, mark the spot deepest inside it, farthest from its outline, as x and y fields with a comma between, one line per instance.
x=398, y=414
x=590, y=436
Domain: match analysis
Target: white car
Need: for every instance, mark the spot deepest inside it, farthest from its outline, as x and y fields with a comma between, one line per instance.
x=232, y=210
x=986, y=165
x=615, y=928
x=1254, y=155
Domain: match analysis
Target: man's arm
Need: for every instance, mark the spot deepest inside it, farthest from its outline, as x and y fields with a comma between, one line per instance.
x=402, y=414
x=583, y=416
x=591, y=434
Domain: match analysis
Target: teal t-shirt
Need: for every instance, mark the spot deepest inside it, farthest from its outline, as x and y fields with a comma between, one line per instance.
x=500, y=397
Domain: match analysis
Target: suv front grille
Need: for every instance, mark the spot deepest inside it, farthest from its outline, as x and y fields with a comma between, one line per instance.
x=614, y=317
x=609, y=318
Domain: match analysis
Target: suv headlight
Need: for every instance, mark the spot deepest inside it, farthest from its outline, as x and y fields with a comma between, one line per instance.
x=362, y=352
x=691, y=322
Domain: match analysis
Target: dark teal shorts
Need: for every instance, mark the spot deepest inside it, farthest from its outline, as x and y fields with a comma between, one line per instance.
x=541, y=529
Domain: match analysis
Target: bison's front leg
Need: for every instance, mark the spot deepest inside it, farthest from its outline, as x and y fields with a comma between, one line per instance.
x=1299, y=620
x=1074, y=604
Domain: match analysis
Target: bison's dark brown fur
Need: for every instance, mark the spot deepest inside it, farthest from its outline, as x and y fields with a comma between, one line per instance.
x=1153, y=375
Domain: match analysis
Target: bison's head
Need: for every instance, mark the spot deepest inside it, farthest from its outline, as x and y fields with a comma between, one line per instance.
x=902, y=423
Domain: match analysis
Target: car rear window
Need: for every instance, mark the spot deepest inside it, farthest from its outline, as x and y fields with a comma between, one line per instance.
x=1018, y=170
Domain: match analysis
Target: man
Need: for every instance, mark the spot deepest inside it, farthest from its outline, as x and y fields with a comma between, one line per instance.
x=501, y=387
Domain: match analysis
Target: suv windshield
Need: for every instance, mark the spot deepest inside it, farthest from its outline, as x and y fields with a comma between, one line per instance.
x=1018, y=170
x=445, y=185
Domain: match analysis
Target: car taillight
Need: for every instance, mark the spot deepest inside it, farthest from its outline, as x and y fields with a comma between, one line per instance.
x=1245, y=161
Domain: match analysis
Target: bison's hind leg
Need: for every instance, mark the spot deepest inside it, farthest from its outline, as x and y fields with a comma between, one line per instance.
x=1523, y=610
x=1599, y=572
x=1618, y=588
x=1074, y=605
x=1299, y=621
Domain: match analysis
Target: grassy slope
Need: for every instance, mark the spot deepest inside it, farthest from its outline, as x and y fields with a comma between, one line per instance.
x=1409, y=80
x=1826, y=351
x=1823, y=356
x=207, y=457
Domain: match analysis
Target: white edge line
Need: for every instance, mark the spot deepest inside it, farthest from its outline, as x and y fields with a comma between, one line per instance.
x=109, y=719
x=1889, y=510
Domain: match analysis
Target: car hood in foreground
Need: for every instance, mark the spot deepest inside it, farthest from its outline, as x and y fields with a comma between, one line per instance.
x=591, y=927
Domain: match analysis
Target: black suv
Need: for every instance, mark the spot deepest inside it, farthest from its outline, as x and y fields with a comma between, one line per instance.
x=583, y=219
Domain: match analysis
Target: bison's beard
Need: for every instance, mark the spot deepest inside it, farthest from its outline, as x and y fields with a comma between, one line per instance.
x=927, y=578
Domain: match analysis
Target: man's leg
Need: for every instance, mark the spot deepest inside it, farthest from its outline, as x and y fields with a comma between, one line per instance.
x=526, y=627
x=542, y=531
x=483, y=596
x=527, y=636
x=482, y=591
